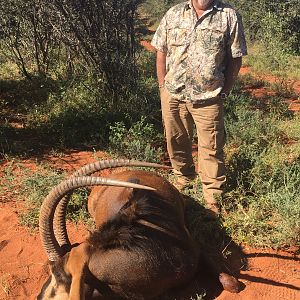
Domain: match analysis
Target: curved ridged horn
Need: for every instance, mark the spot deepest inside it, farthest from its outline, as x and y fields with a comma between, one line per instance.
x=59, y=222
x=51, y=245
x=60, y=229
x=114, y=163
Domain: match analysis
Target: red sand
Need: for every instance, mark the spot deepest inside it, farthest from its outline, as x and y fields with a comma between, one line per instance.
x=262, y=92
x=271, y=275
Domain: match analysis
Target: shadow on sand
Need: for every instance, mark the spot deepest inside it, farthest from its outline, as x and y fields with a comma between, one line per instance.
x=218, y=254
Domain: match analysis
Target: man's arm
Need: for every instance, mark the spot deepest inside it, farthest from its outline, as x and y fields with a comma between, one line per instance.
x=231, y=73
x=161, y=67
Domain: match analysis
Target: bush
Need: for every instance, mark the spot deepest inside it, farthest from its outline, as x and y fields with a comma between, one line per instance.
x=140, y=141
x=270, y=216
x=275, y=23
x=155, y=9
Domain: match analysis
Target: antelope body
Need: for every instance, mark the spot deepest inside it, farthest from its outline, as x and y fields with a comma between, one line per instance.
x=140, y=249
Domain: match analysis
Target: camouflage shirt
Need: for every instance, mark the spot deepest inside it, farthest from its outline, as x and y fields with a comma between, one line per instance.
x=196, y=48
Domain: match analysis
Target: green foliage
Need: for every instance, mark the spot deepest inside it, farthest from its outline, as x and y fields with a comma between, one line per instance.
x=77, y=207
x=262, y=203
x=79, y=113
x=27, y=36
x=139, y=142
x=103, y=32
x=283, y=65
x=7, y=180
x=271, y=216
x=97, y=37
x=274, y=22
x=72, y=115
x=72, y=112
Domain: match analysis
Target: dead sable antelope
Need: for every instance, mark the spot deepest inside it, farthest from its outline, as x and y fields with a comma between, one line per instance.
x=140, y=249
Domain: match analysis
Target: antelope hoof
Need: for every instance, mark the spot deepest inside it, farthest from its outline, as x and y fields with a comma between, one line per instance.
x=230, y=283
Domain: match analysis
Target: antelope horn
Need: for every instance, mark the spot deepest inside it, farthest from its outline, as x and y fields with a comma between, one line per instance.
x=114, y=163
x=59, y=222
x=53, y=249
x=60, y=229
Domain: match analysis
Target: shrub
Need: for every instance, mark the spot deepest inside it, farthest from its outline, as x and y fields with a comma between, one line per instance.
x=275, y=23
x=139, y=142
x=155, y=9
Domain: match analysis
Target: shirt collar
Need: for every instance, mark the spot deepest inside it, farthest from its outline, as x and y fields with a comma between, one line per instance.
x=216, y=5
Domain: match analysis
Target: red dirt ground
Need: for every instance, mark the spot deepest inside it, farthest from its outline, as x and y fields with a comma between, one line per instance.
x=270, y=275
x=262, y=92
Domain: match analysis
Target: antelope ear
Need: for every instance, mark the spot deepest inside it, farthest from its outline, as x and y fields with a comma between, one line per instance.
x=129, y=208
x=130, y=193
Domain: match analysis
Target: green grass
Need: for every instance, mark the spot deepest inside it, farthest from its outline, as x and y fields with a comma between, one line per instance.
x=252, y=82
x=72, y=112
x=283, y=88
x=261, y=205
x=263, y=160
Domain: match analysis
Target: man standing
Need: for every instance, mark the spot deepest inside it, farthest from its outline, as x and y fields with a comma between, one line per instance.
x=200, y=44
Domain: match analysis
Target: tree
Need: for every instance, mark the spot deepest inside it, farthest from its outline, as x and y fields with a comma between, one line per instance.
x=102, y=34
x=27, y=36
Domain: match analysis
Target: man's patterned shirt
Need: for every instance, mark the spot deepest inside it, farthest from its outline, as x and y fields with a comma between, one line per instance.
x=196, y=48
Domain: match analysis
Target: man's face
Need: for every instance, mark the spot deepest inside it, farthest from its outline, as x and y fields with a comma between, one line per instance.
x=202, y=4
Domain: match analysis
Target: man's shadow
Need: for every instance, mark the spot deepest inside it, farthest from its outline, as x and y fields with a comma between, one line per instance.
x=218, y=253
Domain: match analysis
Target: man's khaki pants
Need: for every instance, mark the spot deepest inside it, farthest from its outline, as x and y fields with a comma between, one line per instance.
x=208, y=116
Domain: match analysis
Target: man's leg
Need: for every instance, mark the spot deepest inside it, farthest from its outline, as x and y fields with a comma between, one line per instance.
x=209, y=120
x=179, y=130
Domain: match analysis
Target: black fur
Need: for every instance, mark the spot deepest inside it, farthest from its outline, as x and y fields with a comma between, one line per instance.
x=123, y=231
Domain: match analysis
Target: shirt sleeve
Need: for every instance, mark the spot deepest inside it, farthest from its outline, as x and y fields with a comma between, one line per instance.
x=159, y=40
x=237, y=41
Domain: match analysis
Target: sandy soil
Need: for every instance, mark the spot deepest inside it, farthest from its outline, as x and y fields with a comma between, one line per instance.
x=263, y=92
x=22, y=261
x=270, y=275
x=266, y=274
